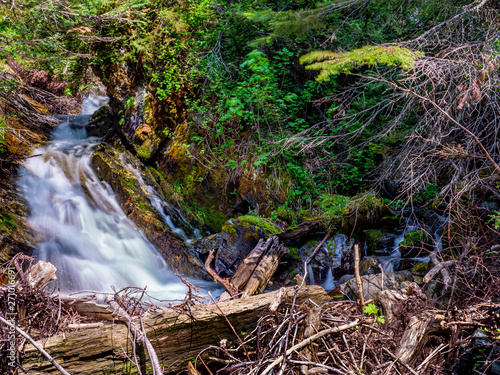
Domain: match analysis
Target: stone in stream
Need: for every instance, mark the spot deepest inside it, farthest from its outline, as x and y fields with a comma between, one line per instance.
x=372, y=284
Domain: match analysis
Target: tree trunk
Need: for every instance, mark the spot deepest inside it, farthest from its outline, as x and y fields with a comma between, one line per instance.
x=177, y=336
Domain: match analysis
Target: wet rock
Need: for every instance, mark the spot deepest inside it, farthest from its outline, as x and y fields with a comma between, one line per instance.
x=345, y=279
x=205, y=244
x=379, y=242
x=368, y=265
x=101, y=123
x=15, y=234
x=134, y=201
x=433, y=289
x=473, y=360
x=372, y=284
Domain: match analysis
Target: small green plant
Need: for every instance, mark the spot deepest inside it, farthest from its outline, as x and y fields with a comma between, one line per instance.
x=130, y=102
x=371, y=309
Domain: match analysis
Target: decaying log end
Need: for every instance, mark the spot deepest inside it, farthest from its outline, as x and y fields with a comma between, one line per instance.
x=41, y=273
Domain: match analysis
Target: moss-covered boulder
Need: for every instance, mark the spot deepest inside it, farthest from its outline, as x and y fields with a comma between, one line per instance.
x=378, y=242
x=327, y=211
x=111, y=166
x=416, y=244
x=238, y=237
x=365, y=211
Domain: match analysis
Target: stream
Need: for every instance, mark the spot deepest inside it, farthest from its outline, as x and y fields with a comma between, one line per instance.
x=80, y=226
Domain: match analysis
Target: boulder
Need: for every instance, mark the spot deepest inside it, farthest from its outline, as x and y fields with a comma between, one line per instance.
x=239, y=236
x=367, y=211
x=379, y=242
x=101, y=123
x=372, y=284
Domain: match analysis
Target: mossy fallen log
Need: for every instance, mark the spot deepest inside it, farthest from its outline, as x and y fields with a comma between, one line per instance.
x=177, y=336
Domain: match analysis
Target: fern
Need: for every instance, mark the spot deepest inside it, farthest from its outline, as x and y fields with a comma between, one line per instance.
x=333, y=63
x=294, y=22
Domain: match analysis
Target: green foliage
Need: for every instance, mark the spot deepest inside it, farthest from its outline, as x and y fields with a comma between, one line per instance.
x=333, y=63
x=371, y=309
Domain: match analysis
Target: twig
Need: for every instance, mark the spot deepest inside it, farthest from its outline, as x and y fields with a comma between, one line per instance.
x=225, y=283
x=309, y=340
x=359, y=282
x=38, y=347
x=433, y=353
x=396, y=359
x=439, y=267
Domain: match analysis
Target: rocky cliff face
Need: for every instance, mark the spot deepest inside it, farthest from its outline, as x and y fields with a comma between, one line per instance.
x=23, y=125
x=159, y=133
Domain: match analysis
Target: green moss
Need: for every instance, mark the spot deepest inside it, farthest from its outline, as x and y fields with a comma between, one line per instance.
x=366, y=202
x=333, y=205
x=414, y=238
x=286, y=214
x=144, y=151
x=8, y=223
x=228, y=227
x=294, y=253
x=420, y=268
x=259, y=222
x=373, y=236
x=213, y=219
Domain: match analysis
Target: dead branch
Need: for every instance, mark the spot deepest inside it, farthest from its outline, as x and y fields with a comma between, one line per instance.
x=310, y=340
x=36, y=345
x=357, y=274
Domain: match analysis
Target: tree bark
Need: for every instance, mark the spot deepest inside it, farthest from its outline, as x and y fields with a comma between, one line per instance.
x=177, y=336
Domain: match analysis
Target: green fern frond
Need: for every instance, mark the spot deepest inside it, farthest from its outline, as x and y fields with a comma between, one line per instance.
x=333, y=63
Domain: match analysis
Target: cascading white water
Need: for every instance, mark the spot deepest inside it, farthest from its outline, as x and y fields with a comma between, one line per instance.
x=80, y=225
x=160, y=206
x=340, y=247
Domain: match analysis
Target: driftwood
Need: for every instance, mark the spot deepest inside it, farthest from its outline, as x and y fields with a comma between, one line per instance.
x=35, y=345
x=439, y=267
x=177, y=336
x=254, y=272
x=414, y=338
x=138, y=335
x=41, y=273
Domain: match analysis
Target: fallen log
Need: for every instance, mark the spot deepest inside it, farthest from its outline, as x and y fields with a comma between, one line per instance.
x=177, y=336
x=254, y=272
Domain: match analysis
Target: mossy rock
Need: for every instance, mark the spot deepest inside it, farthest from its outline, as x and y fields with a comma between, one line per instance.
x=420, y=268
x=101, y=123
x=365, y=211
x=373, y=236
x=286, y=214
x=415, y=244
x=378, y=242
x=239, y=236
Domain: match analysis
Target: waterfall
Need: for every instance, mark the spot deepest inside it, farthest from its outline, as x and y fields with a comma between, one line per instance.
x=80, y=226
x=340, y=246
x=161, y=206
